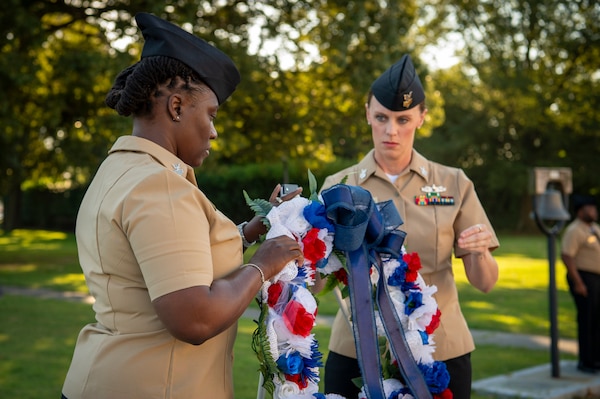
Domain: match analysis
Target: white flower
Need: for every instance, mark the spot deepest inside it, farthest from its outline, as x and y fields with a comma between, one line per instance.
x=287, y=390
x=327, y=239
x=420, y=318
x=288, y=214
x=422, y=353
x=288, y=273
x=374, y=275
x=333, y=264
x=306, y=299
x=272, y=333
x=389, y=266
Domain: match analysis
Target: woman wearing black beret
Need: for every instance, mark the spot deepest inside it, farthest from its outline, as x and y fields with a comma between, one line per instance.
x=164, y=265
x=442, y=217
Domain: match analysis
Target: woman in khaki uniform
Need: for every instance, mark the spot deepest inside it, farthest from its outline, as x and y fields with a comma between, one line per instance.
x=441, y=214
x=163, y=264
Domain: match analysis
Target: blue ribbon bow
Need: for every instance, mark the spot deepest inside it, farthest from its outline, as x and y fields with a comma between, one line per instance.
x=366, y=231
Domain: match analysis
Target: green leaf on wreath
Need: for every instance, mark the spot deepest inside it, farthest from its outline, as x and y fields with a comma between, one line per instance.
x=260, y=346
x=260, y=207
x=312, y=186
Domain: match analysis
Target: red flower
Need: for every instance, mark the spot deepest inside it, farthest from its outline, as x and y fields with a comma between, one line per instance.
x=445, y=394
x=314, y=248
x=414, y=265
x=300, y=380
x=297, y=319
x=274, y=292
x=341, y=275
x=435, y=323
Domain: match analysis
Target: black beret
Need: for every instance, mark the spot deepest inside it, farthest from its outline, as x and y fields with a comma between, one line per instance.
x=399, y=88
x=579, y=201
x=213, y=66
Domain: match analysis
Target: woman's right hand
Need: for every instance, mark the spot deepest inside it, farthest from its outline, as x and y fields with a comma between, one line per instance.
x=274, y=253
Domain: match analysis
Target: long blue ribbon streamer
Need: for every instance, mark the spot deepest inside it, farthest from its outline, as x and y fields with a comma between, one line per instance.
x=364, y=230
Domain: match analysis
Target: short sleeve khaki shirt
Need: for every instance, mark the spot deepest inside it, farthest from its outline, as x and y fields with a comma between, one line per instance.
x=432, y=232
x=580, y=241
x=144, y=229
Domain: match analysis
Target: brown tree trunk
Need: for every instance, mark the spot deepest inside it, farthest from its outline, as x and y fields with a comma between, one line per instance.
x=12, y=208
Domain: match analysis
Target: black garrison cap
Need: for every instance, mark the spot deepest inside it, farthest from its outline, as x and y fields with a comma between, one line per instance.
x=579, y=201
x=213, y=66
x=399, y=88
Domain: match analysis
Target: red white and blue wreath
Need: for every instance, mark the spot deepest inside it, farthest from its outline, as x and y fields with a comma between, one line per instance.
x=285, y=346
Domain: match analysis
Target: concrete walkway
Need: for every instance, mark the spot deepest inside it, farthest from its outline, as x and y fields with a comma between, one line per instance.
x=535, y=383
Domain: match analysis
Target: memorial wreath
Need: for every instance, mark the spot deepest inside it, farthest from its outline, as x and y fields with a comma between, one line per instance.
x=353, y=244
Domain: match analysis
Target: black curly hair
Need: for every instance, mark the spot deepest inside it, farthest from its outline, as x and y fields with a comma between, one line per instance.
x=135, y=86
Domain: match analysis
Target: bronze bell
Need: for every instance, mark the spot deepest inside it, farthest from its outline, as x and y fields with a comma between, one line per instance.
x=549, y=206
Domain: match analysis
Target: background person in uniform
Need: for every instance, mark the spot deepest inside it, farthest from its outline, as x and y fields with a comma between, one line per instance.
x=441, y=214
x=163, y=264
x=580, y=252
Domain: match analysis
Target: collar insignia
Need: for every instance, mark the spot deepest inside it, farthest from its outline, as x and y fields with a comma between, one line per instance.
x=178, y=169
x=423, y=170
x=363, y=173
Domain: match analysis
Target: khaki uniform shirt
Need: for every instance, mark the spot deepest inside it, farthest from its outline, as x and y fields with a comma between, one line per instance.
x=580, y=243
x=144, y=230
x=432, y=231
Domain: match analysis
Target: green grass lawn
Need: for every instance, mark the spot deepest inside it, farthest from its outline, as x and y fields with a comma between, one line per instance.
x=37, y=336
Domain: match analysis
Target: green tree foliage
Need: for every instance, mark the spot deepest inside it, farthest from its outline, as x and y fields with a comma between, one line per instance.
x=54, y=70
x=526, y=95
x=56, y=64
x=315, y=110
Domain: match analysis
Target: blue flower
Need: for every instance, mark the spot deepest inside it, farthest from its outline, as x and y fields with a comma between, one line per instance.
x=292, y=364
x=321, y=263
x=400, y=393
x=413, y=301
x=407, y=286
x=315, y=214
x=436, y=376
x=398, y=276
x=316, y=358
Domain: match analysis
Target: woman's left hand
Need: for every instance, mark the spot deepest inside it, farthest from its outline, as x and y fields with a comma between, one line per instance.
x=475, y=239
x=275, y=199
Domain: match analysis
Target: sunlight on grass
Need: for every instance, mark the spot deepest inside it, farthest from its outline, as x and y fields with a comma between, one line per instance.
x=505, y=319
x=519, y=301
x=72, y=279
x=479, y=305
x=22, y=268
x=246, y=328
x=516, y=273
x=32, y=239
